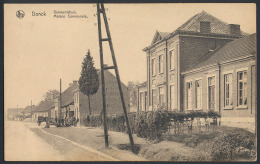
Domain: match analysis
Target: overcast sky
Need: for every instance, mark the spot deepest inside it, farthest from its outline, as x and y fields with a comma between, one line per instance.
x=41, y=50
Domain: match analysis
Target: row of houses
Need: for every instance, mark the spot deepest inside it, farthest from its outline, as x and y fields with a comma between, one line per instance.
x=75, y=104
x=205, y=64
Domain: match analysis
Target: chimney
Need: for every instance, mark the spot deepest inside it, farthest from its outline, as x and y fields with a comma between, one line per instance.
x=234, y=29
x=205, y=27
x=75, y=82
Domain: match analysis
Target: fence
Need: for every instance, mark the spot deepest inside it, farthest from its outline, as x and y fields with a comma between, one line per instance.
x=153, y=124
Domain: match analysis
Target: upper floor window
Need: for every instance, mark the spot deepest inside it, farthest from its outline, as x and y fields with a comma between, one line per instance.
x=198, y=94
x=242, y=88
x=153, y=67
x=227, y=89
x=171, y=55
x=161, y=63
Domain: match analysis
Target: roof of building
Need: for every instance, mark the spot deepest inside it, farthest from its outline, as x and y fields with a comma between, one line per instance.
x=217, y=26
x=193, y=25
x=43, y=106
x=28, y=109
x=236, y=49
x=14, y=111
x=143, y=84
x=67, y=97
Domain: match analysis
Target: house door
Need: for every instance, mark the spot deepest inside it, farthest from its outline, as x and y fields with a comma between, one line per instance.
x=211, y=95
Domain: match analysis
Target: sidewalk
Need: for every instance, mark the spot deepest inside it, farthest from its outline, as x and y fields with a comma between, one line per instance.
x=94, y=138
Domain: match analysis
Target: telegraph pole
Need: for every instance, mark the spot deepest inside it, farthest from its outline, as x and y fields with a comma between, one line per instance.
x=102, y=76
x=109, y=40
x=60, y=101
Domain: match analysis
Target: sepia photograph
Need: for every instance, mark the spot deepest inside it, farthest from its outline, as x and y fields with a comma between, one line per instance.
x=130, y=82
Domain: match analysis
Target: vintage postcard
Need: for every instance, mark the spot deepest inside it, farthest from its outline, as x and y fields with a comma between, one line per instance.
x=130, y=82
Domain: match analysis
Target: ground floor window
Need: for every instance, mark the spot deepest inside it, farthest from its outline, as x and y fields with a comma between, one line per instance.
x=227, y=89
x=211, y=93
x=189, y=98
x=172, y=98
x=242, y=88
x=161, y=96
x=198, y=94
x=154, y=98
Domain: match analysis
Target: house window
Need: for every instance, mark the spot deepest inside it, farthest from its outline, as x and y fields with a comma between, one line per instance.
x=211, y=93
x=171, y=54
x=172, y=97
x=198, y=94
x=189, y=100
x=161, y=64
x=227, y=90
x=161, y=96
x=153, y=98
x=242, y=88
x=141, y=101
x=153, y=67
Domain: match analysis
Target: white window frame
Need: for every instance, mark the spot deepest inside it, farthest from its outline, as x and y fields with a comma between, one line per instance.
x=230, y=85
x=161, y=64
x=153, y=97
x=171, y=57
x=211, y=75
x=153, y=67
x=172, y=97
x=196, y=96
x=187, y=97
x=161, y=103
x=244, y=89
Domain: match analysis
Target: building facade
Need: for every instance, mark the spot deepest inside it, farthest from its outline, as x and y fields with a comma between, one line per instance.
x=172, y=53
x=206, y=64
x=224, y=81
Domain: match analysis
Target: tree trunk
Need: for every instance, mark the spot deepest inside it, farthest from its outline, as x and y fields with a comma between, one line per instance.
x=89, y=105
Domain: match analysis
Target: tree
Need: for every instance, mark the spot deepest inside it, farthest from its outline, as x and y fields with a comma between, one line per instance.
x=51, y=95
x=133, y=92
x=88, y=81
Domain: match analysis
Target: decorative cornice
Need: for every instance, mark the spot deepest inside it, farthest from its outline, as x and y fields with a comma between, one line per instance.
x=192, y=33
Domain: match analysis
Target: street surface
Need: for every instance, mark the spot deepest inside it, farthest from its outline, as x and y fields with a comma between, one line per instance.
x=27, y=141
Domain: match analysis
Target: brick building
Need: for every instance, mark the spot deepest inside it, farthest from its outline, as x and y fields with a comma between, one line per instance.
x=224, y=80
x=171, y=55
x=113, y=101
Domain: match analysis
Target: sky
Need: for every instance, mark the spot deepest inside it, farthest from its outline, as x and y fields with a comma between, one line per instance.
x=39, y=50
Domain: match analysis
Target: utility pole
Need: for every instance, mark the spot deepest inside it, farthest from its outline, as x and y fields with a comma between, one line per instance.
x=99, y=11
x=60, y=102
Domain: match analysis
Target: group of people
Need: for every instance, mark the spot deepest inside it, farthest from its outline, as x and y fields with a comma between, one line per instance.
x=67, y=121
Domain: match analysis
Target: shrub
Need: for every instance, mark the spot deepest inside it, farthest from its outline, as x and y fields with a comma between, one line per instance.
x=231, y=146
x=152, y=124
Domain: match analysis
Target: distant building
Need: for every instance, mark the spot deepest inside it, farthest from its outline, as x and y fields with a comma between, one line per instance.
x=113, y=101
x=15, y=114
x=27, y=112
x=43, y=109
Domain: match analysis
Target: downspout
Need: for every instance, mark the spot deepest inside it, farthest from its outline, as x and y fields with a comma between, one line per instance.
x=166, y=56
x=137, y=99
x=148, y=81
x=219, y=82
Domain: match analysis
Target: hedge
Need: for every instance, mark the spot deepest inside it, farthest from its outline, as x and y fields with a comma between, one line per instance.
x=150, y=124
